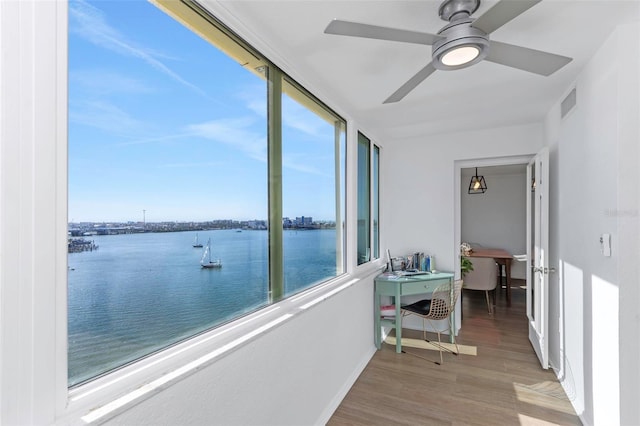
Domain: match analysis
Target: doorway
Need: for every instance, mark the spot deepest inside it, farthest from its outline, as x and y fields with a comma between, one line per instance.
x=496, y=218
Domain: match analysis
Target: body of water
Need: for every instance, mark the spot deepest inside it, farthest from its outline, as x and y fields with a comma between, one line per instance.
x=139, y=293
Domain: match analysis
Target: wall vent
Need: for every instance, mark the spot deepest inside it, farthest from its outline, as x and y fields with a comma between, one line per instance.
x=568, y=103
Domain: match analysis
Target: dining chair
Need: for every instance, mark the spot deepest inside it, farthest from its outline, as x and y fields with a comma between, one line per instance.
x=483, y=277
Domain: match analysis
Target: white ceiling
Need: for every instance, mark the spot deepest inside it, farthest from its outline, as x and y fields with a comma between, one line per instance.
x=359, y=74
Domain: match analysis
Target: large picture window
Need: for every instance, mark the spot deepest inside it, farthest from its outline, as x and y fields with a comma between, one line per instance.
x=204, y=184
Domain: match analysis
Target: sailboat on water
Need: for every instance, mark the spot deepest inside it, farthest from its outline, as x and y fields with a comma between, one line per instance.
x=206, y=260
x=196, y=244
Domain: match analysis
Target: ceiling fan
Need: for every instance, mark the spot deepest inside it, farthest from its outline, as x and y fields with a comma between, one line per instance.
x=463, y=42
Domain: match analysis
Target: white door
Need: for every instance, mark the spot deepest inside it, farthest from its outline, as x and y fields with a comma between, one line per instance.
x=538, y=254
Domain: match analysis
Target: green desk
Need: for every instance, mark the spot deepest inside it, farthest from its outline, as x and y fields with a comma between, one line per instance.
x=403, y=286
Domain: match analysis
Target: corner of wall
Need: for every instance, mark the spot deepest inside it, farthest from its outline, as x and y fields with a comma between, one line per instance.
x=601, y=137
x=627, y=212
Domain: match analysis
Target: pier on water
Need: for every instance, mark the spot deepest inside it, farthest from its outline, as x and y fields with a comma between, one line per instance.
x=76, y=245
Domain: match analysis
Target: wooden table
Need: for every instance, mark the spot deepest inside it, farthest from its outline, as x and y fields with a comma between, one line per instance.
x=502, y=258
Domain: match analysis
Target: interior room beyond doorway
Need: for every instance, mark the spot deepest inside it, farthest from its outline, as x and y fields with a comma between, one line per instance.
x=496, y=218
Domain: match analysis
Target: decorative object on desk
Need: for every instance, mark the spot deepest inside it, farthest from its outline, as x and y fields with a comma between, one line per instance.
x=477, y=184
x=465, y=249
x=417, y=260
x=440, y=306
x=398, y=264
x=428, y=263
x=408, y=262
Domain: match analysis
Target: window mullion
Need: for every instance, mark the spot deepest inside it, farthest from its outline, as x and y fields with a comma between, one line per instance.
x=338, y=197
x=371, y=203
x=274, y=159
x=375, y=200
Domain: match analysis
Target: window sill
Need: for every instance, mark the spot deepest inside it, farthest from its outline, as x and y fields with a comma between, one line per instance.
x=115, y=391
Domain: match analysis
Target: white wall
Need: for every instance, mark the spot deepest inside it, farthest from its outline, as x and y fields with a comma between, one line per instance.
x=594, y=157
x=497, y=218
x=628, y=226
x=419, y=207
x=32, y=254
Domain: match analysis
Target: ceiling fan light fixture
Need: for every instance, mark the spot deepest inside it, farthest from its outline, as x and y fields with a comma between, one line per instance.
x=462, y=42
x=461, y=46
x=460, y=55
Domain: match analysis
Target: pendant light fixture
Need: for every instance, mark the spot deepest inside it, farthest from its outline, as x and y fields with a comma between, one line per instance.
x=477, y=184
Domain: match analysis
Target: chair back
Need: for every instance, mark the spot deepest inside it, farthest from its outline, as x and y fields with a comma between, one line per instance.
x=444, y=299
x=484, y=275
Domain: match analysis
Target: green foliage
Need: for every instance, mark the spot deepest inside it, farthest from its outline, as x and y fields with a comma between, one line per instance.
x=465, y=265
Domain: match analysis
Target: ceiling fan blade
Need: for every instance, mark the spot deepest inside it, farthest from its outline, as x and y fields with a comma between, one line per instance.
x=501, y=13
x=411, y=84
x=355, y=29
x=535, y=61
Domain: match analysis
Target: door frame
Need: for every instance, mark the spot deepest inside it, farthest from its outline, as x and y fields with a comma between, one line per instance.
x=538, y=268
x=457, y=173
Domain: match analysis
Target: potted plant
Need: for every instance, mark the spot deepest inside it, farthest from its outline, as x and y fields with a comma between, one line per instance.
x=465, y=265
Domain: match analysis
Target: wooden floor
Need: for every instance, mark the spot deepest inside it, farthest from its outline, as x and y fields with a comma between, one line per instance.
x=503, y=385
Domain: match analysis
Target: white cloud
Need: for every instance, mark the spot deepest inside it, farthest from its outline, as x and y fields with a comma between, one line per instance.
x=298, y=117
x=235, y=132
x=154, y=139
x=238, y=133
x=294, y=115
x=191, y=165
x=100, y=82
x=89, y=22
x=300, y=163
x=255, y=99
x=104, y=116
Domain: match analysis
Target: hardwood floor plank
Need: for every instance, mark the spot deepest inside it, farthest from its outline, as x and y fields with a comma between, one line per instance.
x=502, y=385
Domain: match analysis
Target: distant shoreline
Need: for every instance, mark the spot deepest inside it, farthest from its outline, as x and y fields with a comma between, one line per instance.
x=87, y=229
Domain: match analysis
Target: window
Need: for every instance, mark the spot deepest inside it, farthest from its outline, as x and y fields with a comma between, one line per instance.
x=313, y=144
x=189, y=182
x=368, y=209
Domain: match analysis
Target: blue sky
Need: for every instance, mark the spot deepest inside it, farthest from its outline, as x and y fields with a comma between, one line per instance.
x=160, y=120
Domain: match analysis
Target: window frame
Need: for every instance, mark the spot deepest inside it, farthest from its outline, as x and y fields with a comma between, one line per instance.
x=33, y=214
x=375, y=201
x=206, y=347
x=373, y=192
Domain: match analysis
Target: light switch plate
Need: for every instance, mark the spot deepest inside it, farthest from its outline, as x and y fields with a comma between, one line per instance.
x=605, y=244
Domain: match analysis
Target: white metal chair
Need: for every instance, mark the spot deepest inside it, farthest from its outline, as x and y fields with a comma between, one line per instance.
x=439, y=307
x=484, y=276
